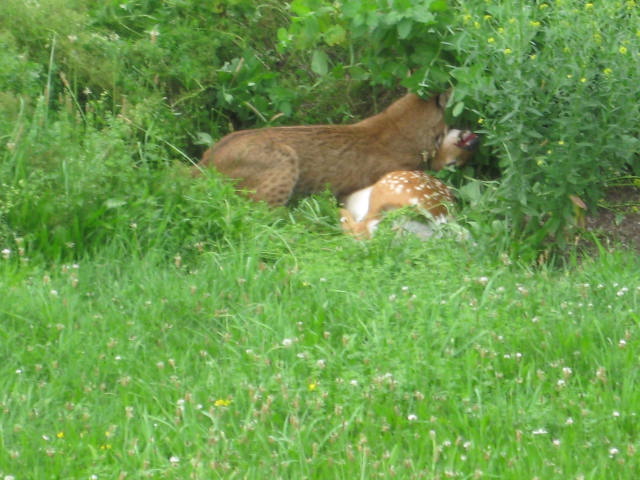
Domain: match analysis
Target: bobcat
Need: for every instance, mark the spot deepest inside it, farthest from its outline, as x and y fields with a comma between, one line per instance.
x=276, y=163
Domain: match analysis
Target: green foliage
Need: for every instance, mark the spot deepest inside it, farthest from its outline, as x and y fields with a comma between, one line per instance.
x=550, y=87
x=553, y=88
x=157, y=325
x=20, y=83
x=380, y=42
x=64, y=198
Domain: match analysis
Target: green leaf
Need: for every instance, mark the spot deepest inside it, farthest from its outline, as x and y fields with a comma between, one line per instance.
x=203, y=138
x=300, y=8
x=283, y=35
x=335, y=35
x=320, y=62
x=457, y=109
x=439, y=6
x=404, y=28
x=423, y=16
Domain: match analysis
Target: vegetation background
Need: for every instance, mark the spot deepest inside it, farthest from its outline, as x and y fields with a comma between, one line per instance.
x=156, y=326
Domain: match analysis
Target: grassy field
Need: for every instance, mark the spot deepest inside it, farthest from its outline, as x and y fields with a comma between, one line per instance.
x=153, y=325
x=309, y=355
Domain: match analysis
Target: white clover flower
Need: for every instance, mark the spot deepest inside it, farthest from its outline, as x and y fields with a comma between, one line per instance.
x=287, y=342
x=412, y=417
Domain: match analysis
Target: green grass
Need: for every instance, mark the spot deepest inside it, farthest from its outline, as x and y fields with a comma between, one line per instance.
x=300, y=355
x=157, y=326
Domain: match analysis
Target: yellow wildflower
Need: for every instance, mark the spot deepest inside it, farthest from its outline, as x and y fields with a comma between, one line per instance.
x=491, y=40
x=221, y=402
x=508, y=51
x=623, y=50
x=60, y=435
x=312, y=386
x=534, y=23
x=607, y=71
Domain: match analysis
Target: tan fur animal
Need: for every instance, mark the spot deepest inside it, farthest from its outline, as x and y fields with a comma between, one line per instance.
x=456, y=149
x=365, y=208
x=274, y=164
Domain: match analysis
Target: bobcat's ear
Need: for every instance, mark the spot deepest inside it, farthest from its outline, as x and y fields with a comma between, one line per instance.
x=442, y=99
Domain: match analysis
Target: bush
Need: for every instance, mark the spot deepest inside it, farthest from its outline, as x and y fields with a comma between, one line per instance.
x=378, y=42
x=206, y=67
x=553, y=89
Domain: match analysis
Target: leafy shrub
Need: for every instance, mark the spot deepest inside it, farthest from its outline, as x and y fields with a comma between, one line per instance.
x=204, y=66
x=553, y=86
x=379, y=42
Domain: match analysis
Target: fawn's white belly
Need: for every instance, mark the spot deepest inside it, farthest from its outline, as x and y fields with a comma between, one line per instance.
x=358, y=203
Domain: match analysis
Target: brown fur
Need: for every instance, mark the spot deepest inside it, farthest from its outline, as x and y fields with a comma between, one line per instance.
x=275, y=163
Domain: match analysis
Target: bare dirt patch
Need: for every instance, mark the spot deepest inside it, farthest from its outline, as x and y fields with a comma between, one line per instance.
x=616, y=222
